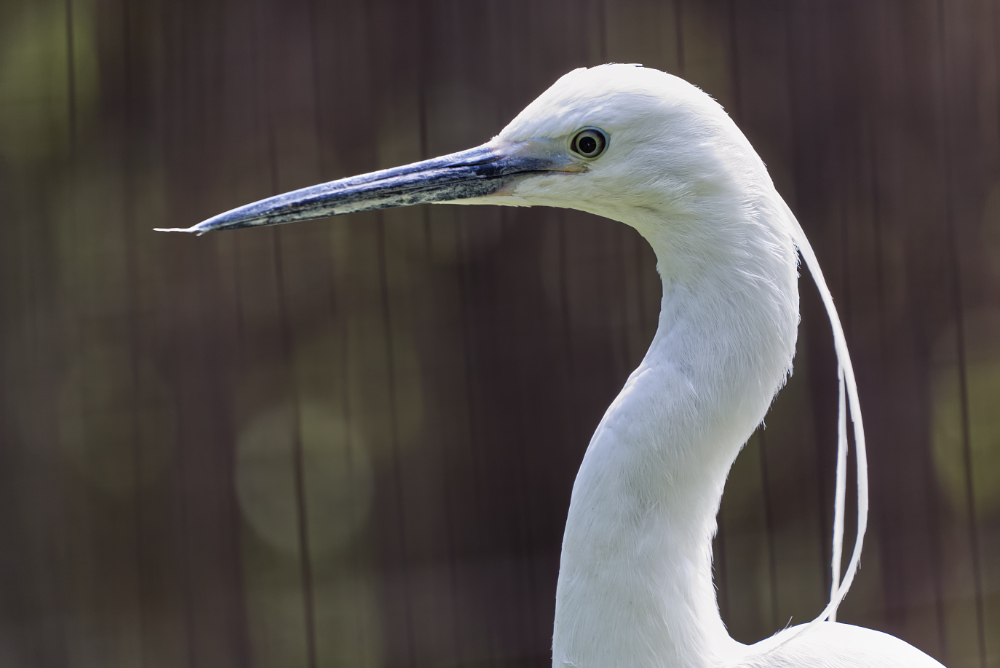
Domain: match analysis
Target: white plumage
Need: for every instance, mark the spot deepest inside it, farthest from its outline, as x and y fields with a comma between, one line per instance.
x=635, y=582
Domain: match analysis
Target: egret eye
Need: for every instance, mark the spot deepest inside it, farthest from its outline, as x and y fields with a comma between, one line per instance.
x=589, y=142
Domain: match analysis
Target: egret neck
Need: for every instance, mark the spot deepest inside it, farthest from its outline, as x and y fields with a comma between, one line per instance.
x=635, y=581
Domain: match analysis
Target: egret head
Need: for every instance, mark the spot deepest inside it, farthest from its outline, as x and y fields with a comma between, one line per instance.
x=660, y=144
x=621, y=141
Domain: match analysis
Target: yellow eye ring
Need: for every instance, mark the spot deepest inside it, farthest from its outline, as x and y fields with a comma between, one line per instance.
x=589, y=143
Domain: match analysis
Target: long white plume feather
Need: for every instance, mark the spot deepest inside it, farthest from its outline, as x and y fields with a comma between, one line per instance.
x=847, y=381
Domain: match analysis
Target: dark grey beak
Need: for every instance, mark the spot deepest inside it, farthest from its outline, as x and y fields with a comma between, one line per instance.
x=476, y=172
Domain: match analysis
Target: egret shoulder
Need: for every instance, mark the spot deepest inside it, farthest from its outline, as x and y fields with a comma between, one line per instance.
x=835, y=645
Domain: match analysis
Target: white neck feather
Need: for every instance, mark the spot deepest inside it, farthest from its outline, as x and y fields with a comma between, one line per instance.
x=635, y=582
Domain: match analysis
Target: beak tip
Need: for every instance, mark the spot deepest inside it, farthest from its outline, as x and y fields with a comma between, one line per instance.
x=230, y=219
x=198, y=229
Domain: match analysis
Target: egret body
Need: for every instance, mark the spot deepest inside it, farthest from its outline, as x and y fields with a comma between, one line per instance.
x=649, y=150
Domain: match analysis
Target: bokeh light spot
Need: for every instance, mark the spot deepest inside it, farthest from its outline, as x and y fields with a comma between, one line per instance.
x=336, y=473
x=982, y=377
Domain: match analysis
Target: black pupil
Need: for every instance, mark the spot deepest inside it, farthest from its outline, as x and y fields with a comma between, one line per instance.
x=588, y=144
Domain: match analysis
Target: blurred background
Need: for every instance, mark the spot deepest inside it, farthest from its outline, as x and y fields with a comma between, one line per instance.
x=352, y=442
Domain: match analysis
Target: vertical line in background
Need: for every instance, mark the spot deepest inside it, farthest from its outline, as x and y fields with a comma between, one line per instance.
x=60, y=554
x=71, y=78
x=349, y=442
x=996, y=45
x=449, y=502
x=520, y=562
x=467, y=310
x=340, y=316
x=128, y=137
x=245, y=651
x=772, y=562
x=468, y=341
x=679, y=34
x=845, y=262
x=422, y=112
x=734, y=62
x=843, y=158
x=183, y=546
x=397, y=473
x=602, y=18
x=564, y=294
x=952, y=234
x=305, y=564
x=880, y=244
x=932, y=503
x=318, y=114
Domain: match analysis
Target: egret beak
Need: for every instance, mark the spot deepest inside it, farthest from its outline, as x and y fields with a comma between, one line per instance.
x=477, y=172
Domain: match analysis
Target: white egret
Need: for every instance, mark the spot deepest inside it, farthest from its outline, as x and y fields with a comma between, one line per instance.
x=650, y=150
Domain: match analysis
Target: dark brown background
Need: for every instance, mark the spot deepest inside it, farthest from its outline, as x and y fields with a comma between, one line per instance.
x=352, y=442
